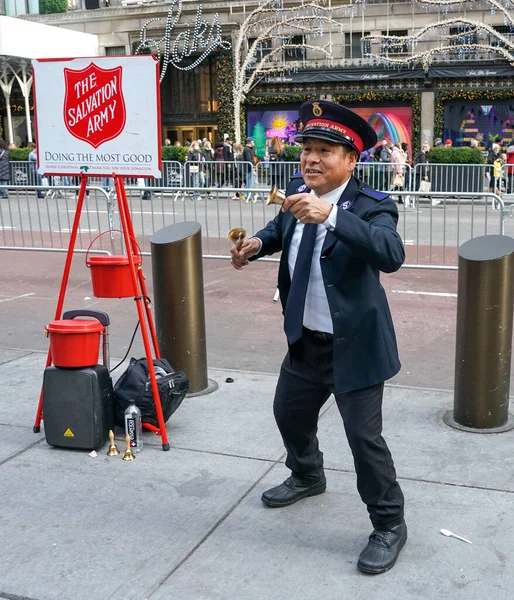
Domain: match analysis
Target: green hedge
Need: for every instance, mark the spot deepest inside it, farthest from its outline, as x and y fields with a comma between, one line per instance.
x=19, y=153
x=48, y=7
x=174, y=153
x=293, y=153
x=454, y=156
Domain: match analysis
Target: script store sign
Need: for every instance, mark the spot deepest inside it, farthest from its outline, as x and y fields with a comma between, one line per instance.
x=99, y=116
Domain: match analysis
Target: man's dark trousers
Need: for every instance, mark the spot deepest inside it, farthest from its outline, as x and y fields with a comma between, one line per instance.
x=305, y=383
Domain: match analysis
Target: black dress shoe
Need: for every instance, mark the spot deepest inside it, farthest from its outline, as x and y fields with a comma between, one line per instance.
x=383, y=549
x=291, y=491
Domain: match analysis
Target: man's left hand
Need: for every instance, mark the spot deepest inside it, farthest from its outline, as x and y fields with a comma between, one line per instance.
x=308, y=208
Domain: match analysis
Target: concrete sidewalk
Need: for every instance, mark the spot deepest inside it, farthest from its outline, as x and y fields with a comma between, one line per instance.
x=188, y=524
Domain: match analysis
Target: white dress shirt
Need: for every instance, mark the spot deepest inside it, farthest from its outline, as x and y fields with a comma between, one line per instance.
x=316, y=314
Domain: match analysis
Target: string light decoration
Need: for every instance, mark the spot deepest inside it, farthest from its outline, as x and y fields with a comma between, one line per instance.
x=264, y=38
x=470, y=37
x=205, y=38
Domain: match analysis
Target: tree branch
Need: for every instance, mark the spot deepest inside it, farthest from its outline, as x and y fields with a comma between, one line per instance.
x=262, y=67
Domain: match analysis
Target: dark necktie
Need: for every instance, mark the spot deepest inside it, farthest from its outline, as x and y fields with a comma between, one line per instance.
x=293, y=318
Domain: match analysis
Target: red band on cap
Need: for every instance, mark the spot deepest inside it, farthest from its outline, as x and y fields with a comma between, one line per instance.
x=336, y=127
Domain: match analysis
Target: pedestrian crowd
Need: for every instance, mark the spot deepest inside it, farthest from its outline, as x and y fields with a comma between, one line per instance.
x=393, y=176
x=234, y=165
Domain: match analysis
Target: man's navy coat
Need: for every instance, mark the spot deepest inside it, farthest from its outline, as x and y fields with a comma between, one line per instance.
x=363, y=243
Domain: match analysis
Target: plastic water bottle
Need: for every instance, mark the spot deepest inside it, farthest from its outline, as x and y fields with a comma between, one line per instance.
x=134, y=427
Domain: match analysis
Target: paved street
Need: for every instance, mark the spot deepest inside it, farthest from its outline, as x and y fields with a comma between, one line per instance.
x=244, y=325
x=188, y=524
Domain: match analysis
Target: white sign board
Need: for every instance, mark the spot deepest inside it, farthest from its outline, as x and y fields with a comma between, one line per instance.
x=99, y=116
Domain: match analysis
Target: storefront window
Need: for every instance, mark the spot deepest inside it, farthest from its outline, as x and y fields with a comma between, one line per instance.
x=486, y=121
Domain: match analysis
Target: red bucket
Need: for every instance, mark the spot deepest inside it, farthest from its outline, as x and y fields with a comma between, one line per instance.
x=110, y=274
x=74, y=342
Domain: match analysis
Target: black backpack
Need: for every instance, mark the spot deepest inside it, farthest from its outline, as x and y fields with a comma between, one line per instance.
x=134, y=387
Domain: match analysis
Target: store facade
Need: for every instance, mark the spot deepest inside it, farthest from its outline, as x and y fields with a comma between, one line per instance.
x=189, y=103
x=404, y=104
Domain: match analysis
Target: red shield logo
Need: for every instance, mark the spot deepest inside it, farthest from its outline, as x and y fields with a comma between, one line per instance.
x=94, y=108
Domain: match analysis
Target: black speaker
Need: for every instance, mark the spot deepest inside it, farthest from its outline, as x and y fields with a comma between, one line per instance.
x=90, y=4
x=77, y=407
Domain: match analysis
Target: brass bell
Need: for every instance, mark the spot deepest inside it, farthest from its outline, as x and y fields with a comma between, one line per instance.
x=128, y=454
x=237, y=236
x=113, y=449
x=276, y=196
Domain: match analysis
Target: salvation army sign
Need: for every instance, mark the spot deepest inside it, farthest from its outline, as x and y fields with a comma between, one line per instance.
x=94, y=108
x=98, y=115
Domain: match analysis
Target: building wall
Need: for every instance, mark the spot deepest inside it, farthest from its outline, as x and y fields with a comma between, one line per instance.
x=119, y=24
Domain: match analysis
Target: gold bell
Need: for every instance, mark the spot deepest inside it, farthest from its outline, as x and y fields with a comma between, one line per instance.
x=237, y=236
x=276, y=196
x=113, y=449
x=128, y=454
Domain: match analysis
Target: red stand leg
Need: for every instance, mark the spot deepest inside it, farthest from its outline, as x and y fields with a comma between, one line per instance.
x=142, y=283
x=140, y=290
x=64, y=284
x=149, y=316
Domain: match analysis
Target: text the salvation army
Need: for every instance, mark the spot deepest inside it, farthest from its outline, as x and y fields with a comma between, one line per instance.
x=91, y=99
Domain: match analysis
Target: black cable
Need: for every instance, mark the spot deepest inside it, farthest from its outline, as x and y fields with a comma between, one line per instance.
x=128, y=351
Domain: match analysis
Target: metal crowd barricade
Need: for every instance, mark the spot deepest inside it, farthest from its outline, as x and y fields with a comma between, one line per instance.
x=432, y=224
x=29, y=222
x=172, y=176
x=23, y=172
x=217, y=210
x=507, y=179
x=452, y=179
x=378, y=175
x=381, y=175
x=218, y=174
x=277, y=173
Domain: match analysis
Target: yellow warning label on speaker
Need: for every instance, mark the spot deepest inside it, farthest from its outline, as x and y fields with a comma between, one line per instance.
x=69, y=433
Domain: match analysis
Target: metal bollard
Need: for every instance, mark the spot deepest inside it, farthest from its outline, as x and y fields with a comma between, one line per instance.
x=179, y=302
x=484, y=336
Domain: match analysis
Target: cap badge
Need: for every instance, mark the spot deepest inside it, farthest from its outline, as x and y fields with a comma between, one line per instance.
x=316, y=109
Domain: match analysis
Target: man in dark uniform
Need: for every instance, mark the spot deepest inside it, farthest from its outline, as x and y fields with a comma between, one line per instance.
x=336, y=235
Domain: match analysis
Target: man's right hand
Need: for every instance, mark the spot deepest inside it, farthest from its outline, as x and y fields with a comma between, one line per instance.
x=240, y=257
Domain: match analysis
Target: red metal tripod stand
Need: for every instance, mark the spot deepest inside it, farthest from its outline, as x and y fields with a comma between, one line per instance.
x=141, y=298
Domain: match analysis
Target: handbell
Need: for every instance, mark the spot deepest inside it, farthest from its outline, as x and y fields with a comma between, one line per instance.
x=113, y=450
x=237, y=236
x=276, y=196
x=128, y=454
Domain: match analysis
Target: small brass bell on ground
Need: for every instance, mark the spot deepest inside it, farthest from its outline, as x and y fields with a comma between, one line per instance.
x=113, y=449
x=128, y=454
